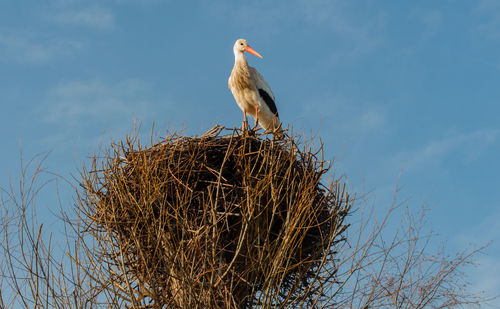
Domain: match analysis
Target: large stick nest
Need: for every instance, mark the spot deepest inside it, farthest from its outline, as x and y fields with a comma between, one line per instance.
x=225, y=221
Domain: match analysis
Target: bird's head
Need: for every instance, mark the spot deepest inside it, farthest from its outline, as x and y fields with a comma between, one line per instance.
x=241, y=45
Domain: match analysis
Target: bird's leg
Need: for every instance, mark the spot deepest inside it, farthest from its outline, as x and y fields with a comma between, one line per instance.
x=256, y=115
x=245, y=121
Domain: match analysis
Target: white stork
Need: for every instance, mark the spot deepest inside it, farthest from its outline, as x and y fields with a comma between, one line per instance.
x=251, y=92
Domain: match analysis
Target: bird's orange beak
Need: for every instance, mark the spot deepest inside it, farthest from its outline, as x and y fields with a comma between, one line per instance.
x=250, y=50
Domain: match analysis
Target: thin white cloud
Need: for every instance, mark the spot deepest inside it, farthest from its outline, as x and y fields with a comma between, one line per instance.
x=468, y=145
x=489, y=15
x=371, y=119
x=486, y=230
x=488, y=4
x=358, y=118
x=336, y=16
x=141, y=2
x=432, y=19
x=88, y=112
x=485, y=275
x=23, y=49
x=332, y=16
x=485, y=278
x=138, y=2
x=94, y=17
x=75, y=101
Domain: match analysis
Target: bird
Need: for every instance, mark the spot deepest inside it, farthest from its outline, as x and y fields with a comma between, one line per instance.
x=251, y=92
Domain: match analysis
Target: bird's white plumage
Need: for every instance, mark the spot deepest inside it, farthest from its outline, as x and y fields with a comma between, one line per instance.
x=260, y=82
x=245, y=83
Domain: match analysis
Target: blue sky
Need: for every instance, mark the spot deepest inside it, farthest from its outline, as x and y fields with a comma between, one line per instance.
x=390, y=87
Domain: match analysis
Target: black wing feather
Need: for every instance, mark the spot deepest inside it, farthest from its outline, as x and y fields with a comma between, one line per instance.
x=269, y=101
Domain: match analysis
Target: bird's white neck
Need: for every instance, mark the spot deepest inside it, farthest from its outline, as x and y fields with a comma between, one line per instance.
x=239, y=58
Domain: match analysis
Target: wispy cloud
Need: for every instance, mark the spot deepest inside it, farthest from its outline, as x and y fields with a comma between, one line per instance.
x=138, y=2
x=485, y=275
x=94, y=17
x=76, y=101
x=24, y=49
x=485, y=278
x=489, y=16
x=358, y=118
x=87, y=111
x=141, y=2
x=431, y=19
x=337, y=17
x=488, y=4
x=486, y=230
x=332, y=16
x=468, y=145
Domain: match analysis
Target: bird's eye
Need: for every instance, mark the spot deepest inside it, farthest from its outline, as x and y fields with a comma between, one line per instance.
x=241, y=44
